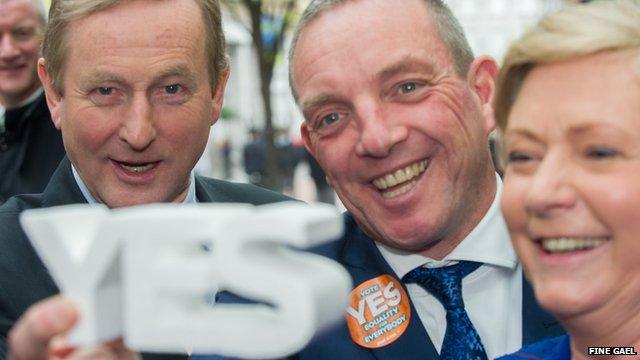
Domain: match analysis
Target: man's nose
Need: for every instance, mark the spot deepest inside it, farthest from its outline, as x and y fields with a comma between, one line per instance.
x=8, y=47
x=378, y=133
x=138, y=128
x=552, y=188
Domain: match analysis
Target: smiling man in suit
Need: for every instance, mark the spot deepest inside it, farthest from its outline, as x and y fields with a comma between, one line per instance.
x=398, y=112
x=30, y=146
x=134, y=100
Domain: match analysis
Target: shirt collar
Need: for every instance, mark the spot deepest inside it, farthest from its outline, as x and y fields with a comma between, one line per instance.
x=26, y=101
x=190, y=199
x=488, y=243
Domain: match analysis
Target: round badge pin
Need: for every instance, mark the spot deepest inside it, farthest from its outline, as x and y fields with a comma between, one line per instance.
x=378, y=312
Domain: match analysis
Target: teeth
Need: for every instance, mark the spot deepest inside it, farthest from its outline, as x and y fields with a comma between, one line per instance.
x=565, y=244
x=401, y=190
x=137, y=169
x=400, y=176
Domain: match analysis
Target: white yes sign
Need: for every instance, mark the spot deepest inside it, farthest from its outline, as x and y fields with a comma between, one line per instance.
x=145, y=272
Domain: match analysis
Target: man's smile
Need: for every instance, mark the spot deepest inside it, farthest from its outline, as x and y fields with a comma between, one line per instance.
x=400, y=181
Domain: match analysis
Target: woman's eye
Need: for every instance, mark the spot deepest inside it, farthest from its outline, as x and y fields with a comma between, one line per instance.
x=173, y=88
x=601, y=152
x=518, y=157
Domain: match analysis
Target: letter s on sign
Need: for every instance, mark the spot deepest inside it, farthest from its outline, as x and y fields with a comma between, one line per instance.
x=392, y=295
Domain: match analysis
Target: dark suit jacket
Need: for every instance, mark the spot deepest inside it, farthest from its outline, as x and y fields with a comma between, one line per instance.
x=30, y=150
x=359, y=255
x=23, y=278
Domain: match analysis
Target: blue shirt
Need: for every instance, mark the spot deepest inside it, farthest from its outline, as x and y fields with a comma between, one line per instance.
x=558, y=348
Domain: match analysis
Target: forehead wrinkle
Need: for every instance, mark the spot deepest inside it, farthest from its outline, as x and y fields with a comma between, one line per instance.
x=409, y=63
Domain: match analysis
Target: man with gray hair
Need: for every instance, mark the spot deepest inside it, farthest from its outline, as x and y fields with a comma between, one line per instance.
x=398, y=113
x=30, y=146
x=134, y=100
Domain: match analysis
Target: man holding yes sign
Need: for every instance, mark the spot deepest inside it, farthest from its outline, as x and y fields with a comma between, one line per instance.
x=134, y=100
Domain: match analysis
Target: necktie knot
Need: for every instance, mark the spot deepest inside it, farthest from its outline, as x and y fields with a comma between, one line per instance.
x=444, y=283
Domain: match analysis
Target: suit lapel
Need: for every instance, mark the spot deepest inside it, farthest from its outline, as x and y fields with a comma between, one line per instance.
x=62, y=189
x=204, y=193
x=363, y=261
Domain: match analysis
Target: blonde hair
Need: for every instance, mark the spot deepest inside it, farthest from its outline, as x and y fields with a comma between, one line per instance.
x=63, y=12
x=577, y=30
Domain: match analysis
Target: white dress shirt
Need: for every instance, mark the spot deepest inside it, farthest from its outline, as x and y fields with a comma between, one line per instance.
x=189, y=199
x=492, y=294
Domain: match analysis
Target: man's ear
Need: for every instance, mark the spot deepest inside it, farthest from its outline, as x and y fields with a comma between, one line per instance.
x=482, y=81
x=306, y=138
x=218, y=95
x=53, y=96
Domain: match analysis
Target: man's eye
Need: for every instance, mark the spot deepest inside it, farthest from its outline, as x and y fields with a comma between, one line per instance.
x=23, y=34
x=173, y=88
x=105, y=96
x=105, y=91
x=329, y=119
x=409, y=87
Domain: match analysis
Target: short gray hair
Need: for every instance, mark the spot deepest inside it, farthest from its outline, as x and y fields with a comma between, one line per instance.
x=63, y=12
x=40, y=7
x=446, y=24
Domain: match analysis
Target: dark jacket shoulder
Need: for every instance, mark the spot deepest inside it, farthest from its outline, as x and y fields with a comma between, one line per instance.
x=214, y=190
x=24, y=279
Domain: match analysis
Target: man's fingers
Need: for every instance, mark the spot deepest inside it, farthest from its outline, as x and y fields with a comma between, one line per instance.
x=59, y=347
x=30, y=337
x=115, y=350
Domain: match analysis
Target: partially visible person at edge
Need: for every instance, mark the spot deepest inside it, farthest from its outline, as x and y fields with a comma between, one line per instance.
x=568, y=105
x=398, y=113
x=134, y=100
x=30, y=146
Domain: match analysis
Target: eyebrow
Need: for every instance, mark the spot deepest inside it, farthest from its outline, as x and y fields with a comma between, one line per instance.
x=100, y=76
x=315, y=102
x=585, y=128
x=523, y=132
x=408, y=63
x=179, y=70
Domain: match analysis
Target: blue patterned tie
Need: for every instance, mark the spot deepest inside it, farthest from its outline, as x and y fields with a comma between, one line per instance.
x=461, y=340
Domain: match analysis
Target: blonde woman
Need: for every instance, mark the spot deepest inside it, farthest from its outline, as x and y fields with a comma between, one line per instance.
x=568, y=106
